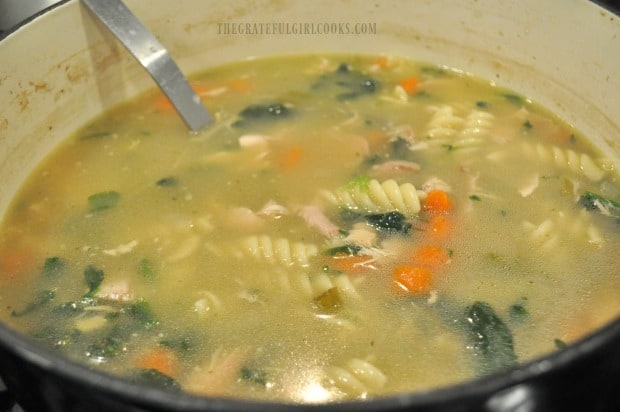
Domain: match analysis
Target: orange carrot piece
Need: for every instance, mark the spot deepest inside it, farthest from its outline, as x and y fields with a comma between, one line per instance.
x=239, y=85
x=15, y=263
x=412, y=279
x=292, y=158
x=383, y=62
x=160, y=359
x=437, y=201
x=410, y=84
x=440, y=226
x=431, y=257
x=350, y=263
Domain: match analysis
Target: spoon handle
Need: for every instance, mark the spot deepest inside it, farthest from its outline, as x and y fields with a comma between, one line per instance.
x=152, y=55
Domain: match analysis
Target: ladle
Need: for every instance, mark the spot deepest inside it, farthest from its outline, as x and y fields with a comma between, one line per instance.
x=152, y=55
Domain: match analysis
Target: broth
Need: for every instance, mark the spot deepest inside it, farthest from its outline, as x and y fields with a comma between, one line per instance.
x=350, y=227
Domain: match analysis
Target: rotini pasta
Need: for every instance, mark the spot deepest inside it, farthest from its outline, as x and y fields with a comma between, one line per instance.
x=379, y=197
x=279, y=251
x=444, y=123
x=548, y=233
x=208, y=303
x=580, y=163
x=356, y=377
x=321, y=282
x=477, y=124
x=448, y=129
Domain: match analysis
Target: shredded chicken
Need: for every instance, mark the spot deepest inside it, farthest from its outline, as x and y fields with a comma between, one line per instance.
x=362, y=234
x=118, y=291
x=435, y=183
x=392, y=166
x=218, y=375
x=253, y=140
x=529, y=186
x=315, y=218
x=404, y=132
x=121, y=249
x=273, y=209
x=244, y=218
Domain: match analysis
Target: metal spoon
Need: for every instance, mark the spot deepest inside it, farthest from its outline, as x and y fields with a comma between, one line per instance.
x=143, y=45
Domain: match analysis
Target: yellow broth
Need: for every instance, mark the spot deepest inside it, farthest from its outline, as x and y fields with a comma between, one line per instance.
x=350, y=227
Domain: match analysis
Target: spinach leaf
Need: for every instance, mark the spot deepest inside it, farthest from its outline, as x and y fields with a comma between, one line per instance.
x=346, y=83
x=141, y=311
x=41, y=299
x=254, y=375
x=103, y=200
x=400, y=149
x=95, y=135
x=517, y=312
x=53, y=266
x=514, y=98
x=491, y=339
x=105, y=347
x=595, y=202
x=93, y=278
x=167, y=181
x=389, y=223
x=361, y=183
x=147, y=269
x=178, y=343
x=348, y=249
x=263, y=113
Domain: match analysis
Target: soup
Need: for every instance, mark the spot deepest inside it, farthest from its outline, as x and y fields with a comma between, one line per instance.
x=350, y=227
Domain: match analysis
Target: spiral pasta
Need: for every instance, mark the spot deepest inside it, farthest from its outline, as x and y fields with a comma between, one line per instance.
x=280, y=250
x=477, y=124
x=356, y=377
x=577, y=162
x=444, y=123
x=548, y=232
x=379, y=197
x=208, y=303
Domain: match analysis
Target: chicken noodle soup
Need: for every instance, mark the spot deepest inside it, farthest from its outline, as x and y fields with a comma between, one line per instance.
x=350, y=227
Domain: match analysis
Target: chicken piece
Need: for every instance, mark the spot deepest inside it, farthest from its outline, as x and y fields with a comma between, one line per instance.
x=117, y=291
x=315, y=218
x=393, y=166
x=217, y=376
x=362, y=234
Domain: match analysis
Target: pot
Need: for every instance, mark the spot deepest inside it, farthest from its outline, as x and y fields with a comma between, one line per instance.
x=63, y=68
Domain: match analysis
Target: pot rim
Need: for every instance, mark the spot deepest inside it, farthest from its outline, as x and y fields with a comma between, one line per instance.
x=478, y=388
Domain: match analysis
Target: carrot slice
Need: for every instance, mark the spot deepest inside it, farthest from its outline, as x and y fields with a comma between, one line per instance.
x=160, y=359
x=437, y=201
x=383, y=62
x=350, y=263
x=15, y=263
x=412, y=279
x=292, y=158
x=239, y=85
x=440, y=226
x=410, y=84
x=431, y=256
